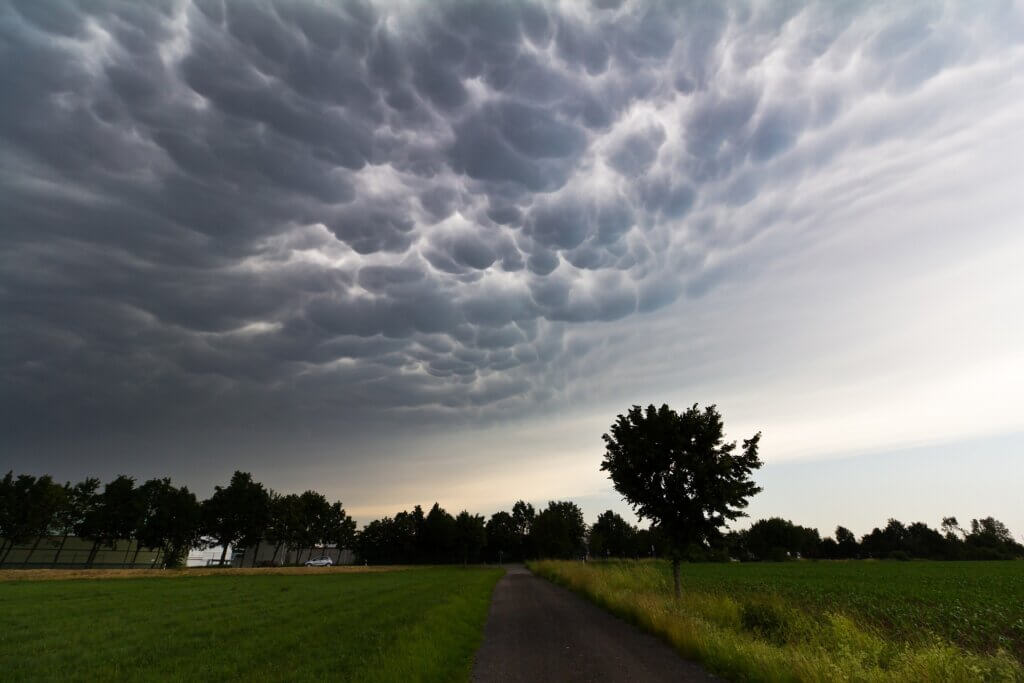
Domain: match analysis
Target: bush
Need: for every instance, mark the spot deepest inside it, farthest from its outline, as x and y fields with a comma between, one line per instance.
x=767, y=620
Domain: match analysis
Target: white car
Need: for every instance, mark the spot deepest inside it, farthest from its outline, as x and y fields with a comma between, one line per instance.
x=320, y=562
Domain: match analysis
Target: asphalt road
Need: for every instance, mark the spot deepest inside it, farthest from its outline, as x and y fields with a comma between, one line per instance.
x=537, y=631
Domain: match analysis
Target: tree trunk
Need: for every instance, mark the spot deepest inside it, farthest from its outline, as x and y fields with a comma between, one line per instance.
x=24, y=563
x=135, y=557
x=223, y=554
x=277, y=549
x=255, y=554
x=156, y=557
x=56, y=558
x=7, y=551
x=124, y=560
x=675, y=576
x=92, y=554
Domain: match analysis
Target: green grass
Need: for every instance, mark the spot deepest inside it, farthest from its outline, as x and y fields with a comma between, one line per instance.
x=412, y=625
x=824, y=620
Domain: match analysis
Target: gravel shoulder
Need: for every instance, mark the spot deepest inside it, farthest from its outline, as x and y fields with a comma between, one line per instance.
x=537, y=631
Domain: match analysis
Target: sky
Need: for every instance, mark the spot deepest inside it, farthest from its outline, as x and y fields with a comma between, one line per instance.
x=401, y=252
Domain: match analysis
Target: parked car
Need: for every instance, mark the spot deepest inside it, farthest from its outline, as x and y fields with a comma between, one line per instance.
x=320, y=562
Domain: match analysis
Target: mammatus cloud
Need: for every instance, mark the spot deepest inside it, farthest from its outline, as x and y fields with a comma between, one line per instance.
x=251, y=212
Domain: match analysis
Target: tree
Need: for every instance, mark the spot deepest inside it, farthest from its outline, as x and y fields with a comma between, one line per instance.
x=236, y=514
x=884, y=542
x=558, y=531
x=287, y=526
x=523, y=515
x=502, y=539
x=28, y=509
x=777, y=539
x=677, y=471
x=315, y=527
x=470, y=536
x=438, y=536
x=951, y=527
x=340, y=528
x=78, y=502
x=846, y=544
x=172, y=520
x=612, y=536
x=117, y=515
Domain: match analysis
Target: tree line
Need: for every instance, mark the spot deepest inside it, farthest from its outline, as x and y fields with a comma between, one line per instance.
x=171, y=520
x=776, y=539
x=163, y=517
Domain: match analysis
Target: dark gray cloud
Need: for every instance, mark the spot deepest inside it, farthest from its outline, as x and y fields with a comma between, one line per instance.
x=221, y=213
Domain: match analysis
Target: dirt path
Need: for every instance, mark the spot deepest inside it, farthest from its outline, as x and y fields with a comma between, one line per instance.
x=537, y=631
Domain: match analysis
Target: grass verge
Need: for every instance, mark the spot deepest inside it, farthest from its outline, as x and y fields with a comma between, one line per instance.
x=421, y=624
x=774, y=635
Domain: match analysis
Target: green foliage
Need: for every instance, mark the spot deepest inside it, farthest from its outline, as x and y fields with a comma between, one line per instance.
x=558, y=530
x=172, y=520
x=612, y=536
x=676, y=470
x=470, y=536
x=237, y=514
x=412, y=625
x=870, y=621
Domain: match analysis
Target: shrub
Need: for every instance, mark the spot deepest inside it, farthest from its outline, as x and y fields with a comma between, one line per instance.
x=767, y=620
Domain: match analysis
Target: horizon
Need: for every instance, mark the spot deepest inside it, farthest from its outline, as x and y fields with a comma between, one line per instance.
x=393, y=251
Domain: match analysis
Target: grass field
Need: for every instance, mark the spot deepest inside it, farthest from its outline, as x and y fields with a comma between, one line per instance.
x=824, y=620
x=420, y=624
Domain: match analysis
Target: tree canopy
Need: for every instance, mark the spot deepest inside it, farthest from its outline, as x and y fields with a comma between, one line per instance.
x=677, y=470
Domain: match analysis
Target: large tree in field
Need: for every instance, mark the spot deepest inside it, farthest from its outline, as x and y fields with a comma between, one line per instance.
x=676, y=470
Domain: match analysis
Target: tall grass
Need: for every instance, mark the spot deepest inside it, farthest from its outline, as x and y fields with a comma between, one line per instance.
x=767, y=637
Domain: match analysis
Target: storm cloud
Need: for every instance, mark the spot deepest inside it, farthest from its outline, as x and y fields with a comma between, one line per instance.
x=253, y=213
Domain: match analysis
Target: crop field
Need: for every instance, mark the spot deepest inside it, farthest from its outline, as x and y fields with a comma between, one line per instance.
x=421, y=624
x=823, y=620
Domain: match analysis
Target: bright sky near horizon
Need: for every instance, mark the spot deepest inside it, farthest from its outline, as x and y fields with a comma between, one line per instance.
x=401, y=252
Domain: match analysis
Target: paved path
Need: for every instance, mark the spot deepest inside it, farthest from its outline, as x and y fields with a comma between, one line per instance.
x=537, y=631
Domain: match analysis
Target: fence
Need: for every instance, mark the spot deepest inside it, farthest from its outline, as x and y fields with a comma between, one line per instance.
x=58, y=552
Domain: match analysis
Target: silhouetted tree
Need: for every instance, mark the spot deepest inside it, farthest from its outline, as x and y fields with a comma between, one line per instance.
x=439, y=536
x=523, y=515
x=28, y=510
x=777, y=538
x=990, y=539
x=316, y=522
x=503, y=542
x=470, y=536
x=677, y=471
x=237, y=513
x=172, y=520
x=117, y=515
x=340, y=528
x=925, y=542
x=612, y=536
x=558, y=531
x=376, y=542
x=951, y=529
x=78, y=501
x=885, y=542
x=846, y=544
